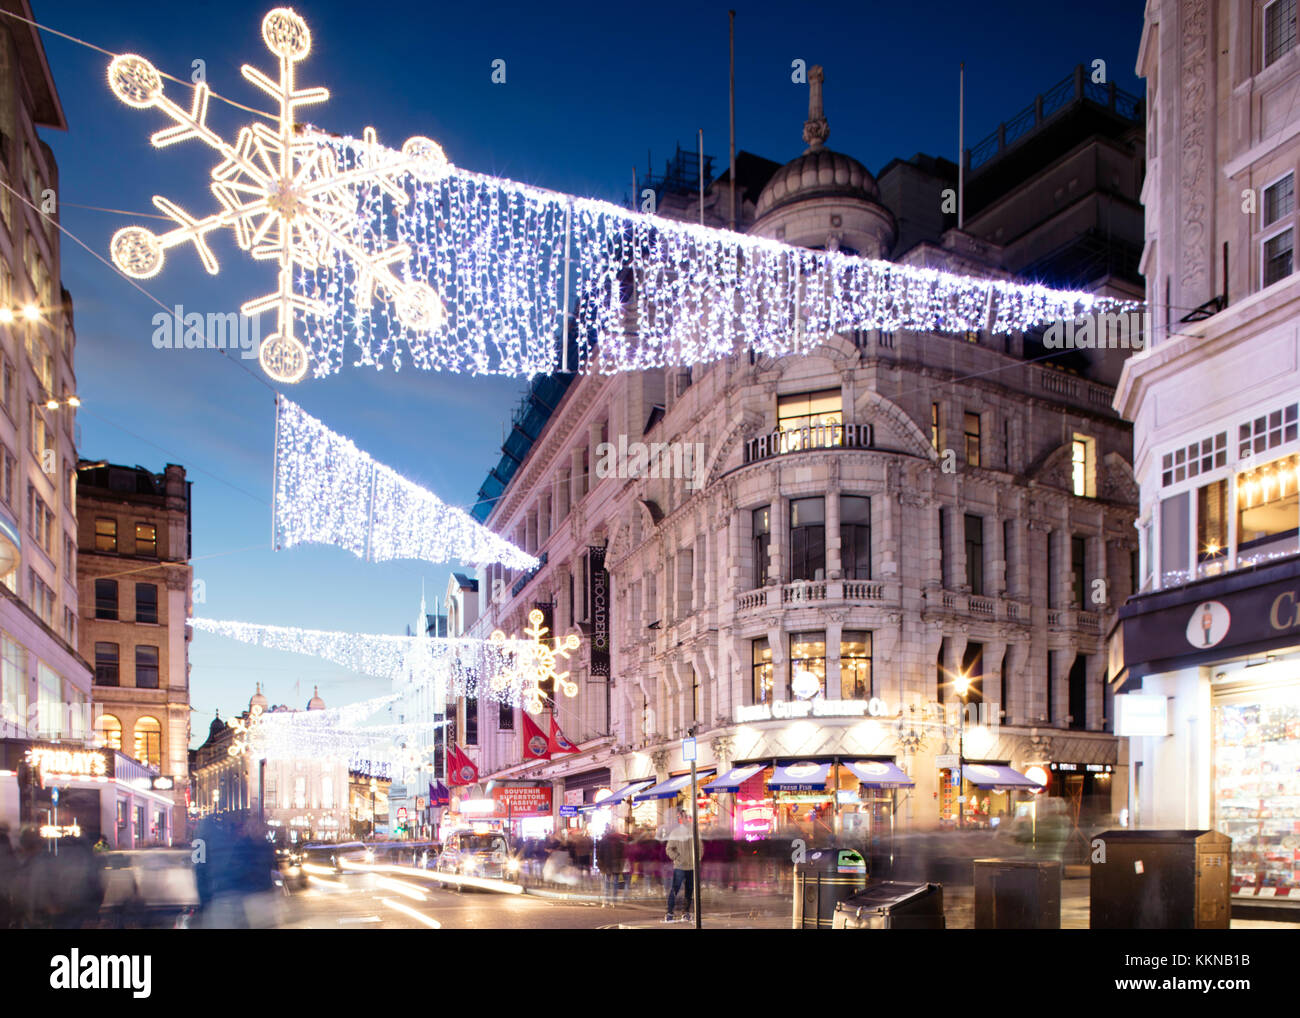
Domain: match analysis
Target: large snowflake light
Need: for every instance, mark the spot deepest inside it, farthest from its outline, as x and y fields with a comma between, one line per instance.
x=535, y=664
x=284, y=196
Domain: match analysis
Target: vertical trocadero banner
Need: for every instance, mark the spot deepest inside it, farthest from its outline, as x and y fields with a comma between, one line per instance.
x=598, y=592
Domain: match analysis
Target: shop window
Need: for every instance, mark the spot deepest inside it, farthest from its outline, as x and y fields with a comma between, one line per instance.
x=798, y=413
x=146, y=667
x=108, y=731
x=106, y=599
x=146, y=602
x=1212, y=526
x=146, y=540
x=106, y=664
x=106, y=535
x=148, y=742
x=761, y=672
x=971, y=433
x=1174, y=538
x=1268, y=509
x=1079, y=571
x=855, y=537
x=975, y=553
x=807, y=665
x=762, y=543
x=855, y=665
x=807, y=539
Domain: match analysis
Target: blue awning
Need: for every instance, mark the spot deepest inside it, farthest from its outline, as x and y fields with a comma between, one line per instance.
x=879, y=774
x=618, y=796
x=800, y=777
x=733, y=779
x=668, y=789
x=997, y=776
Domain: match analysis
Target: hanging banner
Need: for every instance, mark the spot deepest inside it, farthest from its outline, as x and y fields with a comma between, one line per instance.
x=598, y=612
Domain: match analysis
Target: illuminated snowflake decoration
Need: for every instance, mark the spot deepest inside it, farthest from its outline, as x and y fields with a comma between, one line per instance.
x=246, y=732
x=536, y=664
x=285, y=197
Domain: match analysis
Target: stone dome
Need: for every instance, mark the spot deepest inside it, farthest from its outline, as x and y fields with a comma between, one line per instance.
x=217, y=725
x=815, y=174
x=258, y=700
x=315, y=703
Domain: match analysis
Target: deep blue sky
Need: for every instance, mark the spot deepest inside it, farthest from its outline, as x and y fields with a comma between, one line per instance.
x=590, y=88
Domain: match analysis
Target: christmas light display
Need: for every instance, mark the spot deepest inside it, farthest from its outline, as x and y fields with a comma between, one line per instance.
x=327, y=491
x=534, y=664
x=460, y=666
x=476, y=272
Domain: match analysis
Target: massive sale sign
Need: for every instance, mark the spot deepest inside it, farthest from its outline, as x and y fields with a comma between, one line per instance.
x=522, y=800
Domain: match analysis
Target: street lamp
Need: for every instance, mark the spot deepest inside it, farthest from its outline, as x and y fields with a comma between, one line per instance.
x=962, y=684
x=374, y=787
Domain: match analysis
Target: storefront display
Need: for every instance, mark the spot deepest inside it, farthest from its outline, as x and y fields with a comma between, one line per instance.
x=1257, y=787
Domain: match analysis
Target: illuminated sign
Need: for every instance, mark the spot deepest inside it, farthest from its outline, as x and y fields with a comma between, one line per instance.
x=1034, y=774
x=1141, y=714
x=162, y=784
x=65, y=831
x=67, y=763
x=782, y=709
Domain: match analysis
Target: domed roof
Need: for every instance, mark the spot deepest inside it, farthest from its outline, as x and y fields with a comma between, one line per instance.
x=217, y=725
x=315, y=703
x=258, y=700
x=819, y=172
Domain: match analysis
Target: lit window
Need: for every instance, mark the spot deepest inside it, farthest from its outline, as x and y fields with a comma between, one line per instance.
x=1083, y=466
x=148, y=742
x=146, y=540
x=106, y=535
x=855, y=665
x=1268, y=508
x=934, y=426
x=761, y=685
x=798, y=413
x=972, y=433
x=108, y=731
x=807, y=665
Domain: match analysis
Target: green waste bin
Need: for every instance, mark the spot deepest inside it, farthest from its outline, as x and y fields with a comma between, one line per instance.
x=827, y=877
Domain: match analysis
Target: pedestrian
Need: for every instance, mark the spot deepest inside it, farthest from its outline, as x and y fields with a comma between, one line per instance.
x=611, y=856
x=679, y=851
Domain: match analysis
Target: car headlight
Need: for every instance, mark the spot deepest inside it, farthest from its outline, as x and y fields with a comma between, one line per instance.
x=513, y=866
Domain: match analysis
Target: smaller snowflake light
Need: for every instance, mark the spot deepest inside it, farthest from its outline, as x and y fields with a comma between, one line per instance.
x=246, y=732
x=536, y=664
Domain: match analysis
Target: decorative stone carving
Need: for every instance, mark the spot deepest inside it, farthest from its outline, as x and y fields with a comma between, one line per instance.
x=1193, y=131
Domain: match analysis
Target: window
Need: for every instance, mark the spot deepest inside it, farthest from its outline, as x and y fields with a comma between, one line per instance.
x=975, y=553
x=807, y=539
x=106, y=535
x=146, y=540
x=943, y=547
x=1212, y=521
x=70, y=626
x=695, y=695
x=972, y=435
x=49, y=702
x=471, y=721
x=1279, y=29
x=807, y=410
x=1201, y=457
x=10, y=471
x=1268, y=509
x=42, y=598
x=1083, y=466
x=106, y=664
x=934, y=426
x=761, y=672
x=505, y=718
x=1079, y=692
x=78, y=705
x=941, y=673
x=855, y=665
x=106, y=599
x=13, y=676
x=1268, y=431
x=31, y=174
x=1279, y=199
x=1173, y=539
x=1079, y=570
x=69, y=559
x=972, y=666
x=146, y=667
x=8, y=383
x=855, y=537
x=807, y=665
x=146, y=602
x=326, y=792
x=42, y=433
x=762, y=544
x=108, y=731
x=1277, y=257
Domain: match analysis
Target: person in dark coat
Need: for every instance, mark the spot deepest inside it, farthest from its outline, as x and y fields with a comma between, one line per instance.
x=611, y=857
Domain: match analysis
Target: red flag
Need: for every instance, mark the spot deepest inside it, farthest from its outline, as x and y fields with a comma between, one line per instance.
x=462, y=768
x=558, y=743
x=536, y=744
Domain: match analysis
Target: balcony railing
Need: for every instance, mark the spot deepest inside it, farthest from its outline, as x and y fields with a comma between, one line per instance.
x=818, y=436
x=811, y=592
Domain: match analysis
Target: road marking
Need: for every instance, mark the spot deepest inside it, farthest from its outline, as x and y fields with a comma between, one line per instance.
x=413, y=913
x=361, y=919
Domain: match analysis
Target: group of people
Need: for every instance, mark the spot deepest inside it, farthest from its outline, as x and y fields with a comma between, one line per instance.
x=43, y=890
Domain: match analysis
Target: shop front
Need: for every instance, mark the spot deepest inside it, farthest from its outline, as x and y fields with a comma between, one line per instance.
x=1210, y=700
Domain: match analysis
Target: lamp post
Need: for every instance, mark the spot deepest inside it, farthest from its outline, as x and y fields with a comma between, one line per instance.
x=374, y=787
x=962, y=685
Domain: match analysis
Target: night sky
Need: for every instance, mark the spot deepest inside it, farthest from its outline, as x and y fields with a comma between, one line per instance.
x=590, y=88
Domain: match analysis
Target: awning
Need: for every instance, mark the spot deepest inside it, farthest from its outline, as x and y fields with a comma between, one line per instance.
x=668, y=789
x=997, y=776
x=733, y=779
x=615, y=798
x=879, y=774
x=800, y=777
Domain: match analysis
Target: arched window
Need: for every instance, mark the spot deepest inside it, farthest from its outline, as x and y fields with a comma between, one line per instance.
x=148, y=742
x=108, y=730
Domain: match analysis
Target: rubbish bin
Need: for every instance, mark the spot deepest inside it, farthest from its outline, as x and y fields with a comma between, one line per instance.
x=892, y=905
x=1160, y=880
x=828, y=876
x=1017, y=894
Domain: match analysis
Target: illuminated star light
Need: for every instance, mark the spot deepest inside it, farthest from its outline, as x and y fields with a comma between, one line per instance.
x=284, y=196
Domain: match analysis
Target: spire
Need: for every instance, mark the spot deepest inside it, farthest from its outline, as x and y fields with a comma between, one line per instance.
x=815, y=129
